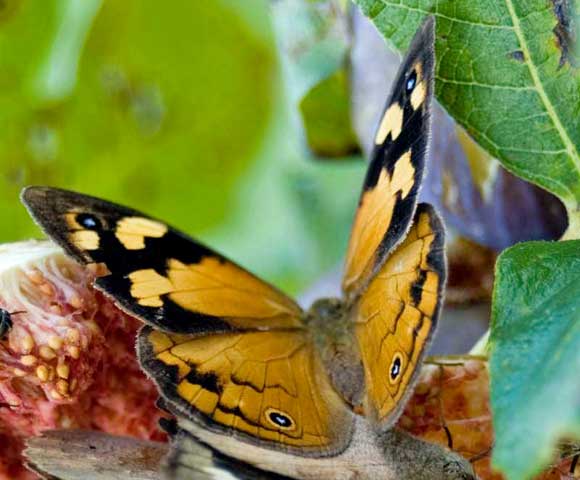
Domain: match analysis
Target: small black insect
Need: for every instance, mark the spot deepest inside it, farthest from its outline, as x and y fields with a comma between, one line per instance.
x=6, y=322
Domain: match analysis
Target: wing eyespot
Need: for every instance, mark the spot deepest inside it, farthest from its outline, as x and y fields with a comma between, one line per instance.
x=411, y=82
x=280, y=420
x=88, y=221
x=396, y=367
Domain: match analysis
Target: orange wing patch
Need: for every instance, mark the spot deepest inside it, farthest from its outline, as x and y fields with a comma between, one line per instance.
x=79, y=236
x=392, y=123
x=218, y=288
x=397, y=315
x=131, y=231
x=267, y=386
x=420, y=91
x=373, y=219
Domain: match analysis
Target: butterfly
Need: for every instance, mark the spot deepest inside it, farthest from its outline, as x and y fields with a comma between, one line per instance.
x=234, y=356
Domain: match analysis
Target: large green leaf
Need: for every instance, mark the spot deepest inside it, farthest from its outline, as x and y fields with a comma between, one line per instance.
x=505, y=71
x=535, y=340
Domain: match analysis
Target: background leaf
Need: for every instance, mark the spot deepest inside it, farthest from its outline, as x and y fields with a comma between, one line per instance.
x=535, y=358
x=505, y=75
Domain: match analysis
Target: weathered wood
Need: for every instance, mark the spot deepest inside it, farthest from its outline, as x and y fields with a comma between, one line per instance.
x=87, y=455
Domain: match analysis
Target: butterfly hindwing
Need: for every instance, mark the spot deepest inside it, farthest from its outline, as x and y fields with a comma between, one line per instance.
x=157, y=273
x=267, y=387
x=390, y=189
x=397, y=314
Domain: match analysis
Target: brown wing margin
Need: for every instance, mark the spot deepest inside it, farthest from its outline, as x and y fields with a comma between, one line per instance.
x=397, y=316
x=390, y=189
x=157, y=273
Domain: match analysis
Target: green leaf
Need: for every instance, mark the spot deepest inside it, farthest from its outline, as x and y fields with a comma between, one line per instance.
x=326, y=116
x=506, y=73
x=535, y=354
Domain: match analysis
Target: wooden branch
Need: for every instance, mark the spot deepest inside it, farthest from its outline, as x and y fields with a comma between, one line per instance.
x=88, y=455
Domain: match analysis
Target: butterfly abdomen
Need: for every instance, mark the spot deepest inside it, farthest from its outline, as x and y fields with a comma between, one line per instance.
x=331, y=329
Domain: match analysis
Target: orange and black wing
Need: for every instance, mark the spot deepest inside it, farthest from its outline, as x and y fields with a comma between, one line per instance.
x=390, y=189
x=265, y=387
x=397, y=314
x=155, y=272
x=227, y=351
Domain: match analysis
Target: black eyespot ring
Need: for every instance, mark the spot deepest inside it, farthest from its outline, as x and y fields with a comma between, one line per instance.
x=280, y=419
x=396, y=367
x=411, y=82
x=88, y=221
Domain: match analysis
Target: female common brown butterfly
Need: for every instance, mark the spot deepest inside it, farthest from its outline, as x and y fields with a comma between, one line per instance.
x=236, y=359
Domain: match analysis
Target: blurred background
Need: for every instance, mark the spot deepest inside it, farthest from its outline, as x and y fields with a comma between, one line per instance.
x=245, y=124
x=177, y=110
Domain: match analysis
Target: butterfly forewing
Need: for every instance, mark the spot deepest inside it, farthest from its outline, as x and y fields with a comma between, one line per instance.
x=390, y=189
x=157, y=273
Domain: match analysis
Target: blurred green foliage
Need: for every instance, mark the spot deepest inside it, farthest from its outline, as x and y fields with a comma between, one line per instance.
x=176, y=109
x=314, y=40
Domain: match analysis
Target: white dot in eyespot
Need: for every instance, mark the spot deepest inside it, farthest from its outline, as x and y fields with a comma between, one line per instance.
x=411, y=82
x=396, y=367
x=87, y=220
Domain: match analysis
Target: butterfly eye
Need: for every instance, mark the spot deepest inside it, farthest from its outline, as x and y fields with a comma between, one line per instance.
x=280, y=419
x=411, y=82
x=396, y=367
x=88, y=221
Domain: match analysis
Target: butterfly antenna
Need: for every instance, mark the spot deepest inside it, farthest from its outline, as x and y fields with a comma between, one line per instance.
x=574, y=463
x=480, y=455
x=441, y=417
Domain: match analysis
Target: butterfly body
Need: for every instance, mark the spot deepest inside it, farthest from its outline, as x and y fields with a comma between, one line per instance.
x=237, y=360
x=331, y=327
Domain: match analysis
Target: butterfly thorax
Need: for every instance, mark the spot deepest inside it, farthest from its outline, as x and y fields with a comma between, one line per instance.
x=332, y=330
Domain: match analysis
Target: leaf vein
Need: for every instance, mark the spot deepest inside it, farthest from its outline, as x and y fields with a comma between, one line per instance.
x=566, y=140
x=446, y=17
x=484, y=85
